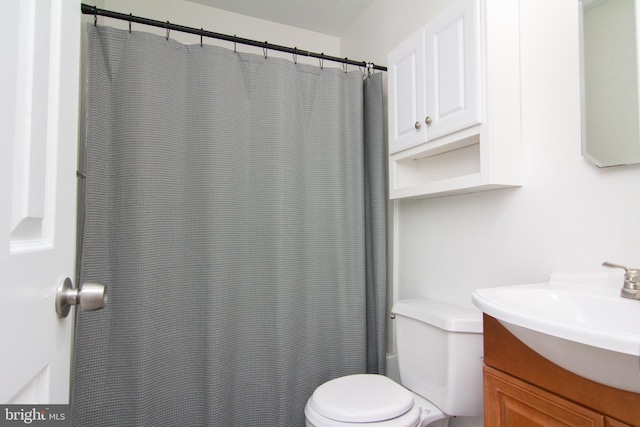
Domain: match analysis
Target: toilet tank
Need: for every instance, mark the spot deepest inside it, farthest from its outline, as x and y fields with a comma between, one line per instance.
x=440, y=353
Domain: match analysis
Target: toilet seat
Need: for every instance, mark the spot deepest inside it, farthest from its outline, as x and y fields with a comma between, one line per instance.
x=361, y=398
x=408, y=419
x=365, y=399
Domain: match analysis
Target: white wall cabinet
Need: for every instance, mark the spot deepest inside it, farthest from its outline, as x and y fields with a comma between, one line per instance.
x=454, y=102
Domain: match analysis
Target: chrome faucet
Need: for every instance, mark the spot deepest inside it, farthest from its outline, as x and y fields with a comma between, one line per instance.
x=631, y=280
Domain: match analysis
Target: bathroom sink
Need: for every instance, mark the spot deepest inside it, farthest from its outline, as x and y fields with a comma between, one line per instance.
x=578, y=322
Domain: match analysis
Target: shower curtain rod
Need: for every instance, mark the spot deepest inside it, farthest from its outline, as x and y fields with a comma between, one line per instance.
x=93, y=10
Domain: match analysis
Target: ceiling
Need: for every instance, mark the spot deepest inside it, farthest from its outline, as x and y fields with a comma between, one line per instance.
x=323, y=16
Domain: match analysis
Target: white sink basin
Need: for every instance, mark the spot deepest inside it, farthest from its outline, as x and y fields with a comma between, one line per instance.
x=577, y=322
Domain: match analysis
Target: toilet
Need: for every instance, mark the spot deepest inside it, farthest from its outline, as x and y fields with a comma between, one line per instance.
x=440, y=360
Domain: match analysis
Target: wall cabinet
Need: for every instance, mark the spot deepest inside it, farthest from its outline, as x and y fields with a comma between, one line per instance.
x=521, y=388
x=454, y=102
x=434, y=79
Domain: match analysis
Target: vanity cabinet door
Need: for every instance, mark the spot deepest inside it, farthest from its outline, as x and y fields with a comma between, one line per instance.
x=406, y=80
x=453, y=71
x=610, y=422
x=510, y=402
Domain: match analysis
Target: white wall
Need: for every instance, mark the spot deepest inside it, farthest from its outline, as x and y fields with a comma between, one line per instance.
x=568, y=215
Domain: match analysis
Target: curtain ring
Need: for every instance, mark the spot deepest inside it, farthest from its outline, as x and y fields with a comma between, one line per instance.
x=168, y=30
x=130, y=23
x=321, y=60
x=95, y=16
x=265, y=49
x=295, y=55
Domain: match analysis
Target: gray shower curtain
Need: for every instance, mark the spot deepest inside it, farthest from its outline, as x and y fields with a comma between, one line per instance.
x=235, y=208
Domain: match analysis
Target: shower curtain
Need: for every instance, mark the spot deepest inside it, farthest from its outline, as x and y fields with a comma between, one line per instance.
x=235, y=208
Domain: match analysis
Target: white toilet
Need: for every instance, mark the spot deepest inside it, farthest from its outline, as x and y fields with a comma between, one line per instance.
x=440, y=359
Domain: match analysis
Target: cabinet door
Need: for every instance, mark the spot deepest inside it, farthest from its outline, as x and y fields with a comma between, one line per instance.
x=453, y=69
x=406, y=94
x=510, y=402
x=610, y=422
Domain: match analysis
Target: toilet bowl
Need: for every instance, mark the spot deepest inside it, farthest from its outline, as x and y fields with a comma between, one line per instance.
x=440, y=363
x=368, y=400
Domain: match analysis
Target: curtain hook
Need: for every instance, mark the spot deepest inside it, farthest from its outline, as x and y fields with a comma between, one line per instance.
x=295, y=55
x=201, y=31
x=234, y=44
x=345, y=64
x=321, y=60
x=130, y=15
x=265, y=49
x=95, y=16
x=168, y=30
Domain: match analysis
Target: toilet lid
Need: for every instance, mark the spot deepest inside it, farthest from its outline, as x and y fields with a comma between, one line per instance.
x=361, y=398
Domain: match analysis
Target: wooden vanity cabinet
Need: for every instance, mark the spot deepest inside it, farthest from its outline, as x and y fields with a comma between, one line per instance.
x=523, y=389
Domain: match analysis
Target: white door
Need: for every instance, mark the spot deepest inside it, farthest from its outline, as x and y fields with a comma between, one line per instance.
x=453, y=69
x=39, y=126
x=406, y=80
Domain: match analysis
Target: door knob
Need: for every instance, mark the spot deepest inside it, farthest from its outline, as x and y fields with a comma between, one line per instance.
x=428, y=120
x=91, y=297
x=417, y=125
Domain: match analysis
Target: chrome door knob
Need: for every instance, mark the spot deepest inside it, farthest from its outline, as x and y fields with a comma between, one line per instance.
x=418, y=125
x=91, y=297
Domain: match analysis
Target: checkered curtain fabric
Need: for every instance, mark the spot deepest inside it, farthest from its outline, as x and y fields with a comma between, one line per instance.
x=235, y=208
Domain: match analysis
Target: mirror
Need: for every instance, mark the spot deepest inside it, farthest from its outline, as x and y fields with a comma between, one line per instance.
x=610, y=81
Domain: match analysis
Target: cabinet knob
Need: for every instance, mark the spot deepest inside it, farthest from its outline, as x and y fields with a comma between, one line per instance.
x=418, y=125
x=428, y=120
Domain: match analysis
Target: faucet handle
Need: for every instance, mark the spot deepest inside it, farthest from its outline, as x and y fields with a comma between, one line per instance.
x=612, y=265
x=630, y=273
x=631, y=280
